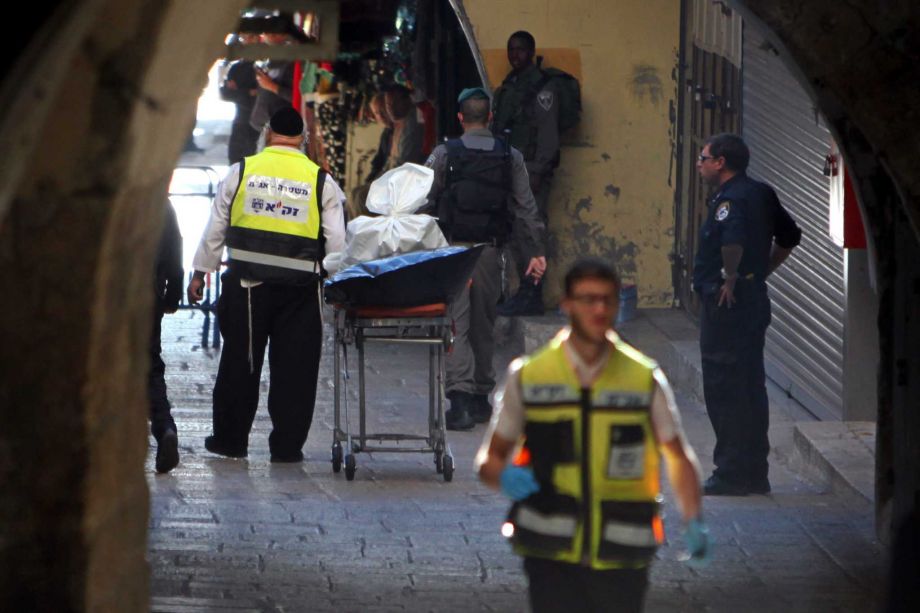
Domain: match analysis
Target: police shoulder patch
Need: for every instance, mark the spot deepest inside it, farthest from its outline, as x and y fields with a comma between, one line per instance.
x=545, y=98
x=723, y=210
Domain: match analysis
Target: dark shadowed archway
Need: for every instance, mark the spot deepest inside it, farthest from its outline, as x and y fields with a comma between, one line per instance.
x=94, y=113
x=861, y=62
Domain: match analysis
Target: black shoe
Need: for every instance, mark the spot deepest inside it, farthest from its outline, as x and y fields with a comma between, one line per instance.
x=458, y=416
x=759, y=486
x=507, y=308
x=481, y=410
x=215, y=446
x=287, y=458
x=716, y=486
x=528, y=301
x=458, y=419
x=167, y=451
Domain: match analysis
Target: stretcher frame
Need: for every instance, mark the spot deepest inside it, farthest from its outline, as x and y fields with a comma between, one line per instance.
x=404, y=326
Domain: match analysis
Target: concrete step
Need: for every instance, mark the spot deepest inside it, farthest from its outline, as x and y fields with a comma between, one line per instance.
x=840, y=455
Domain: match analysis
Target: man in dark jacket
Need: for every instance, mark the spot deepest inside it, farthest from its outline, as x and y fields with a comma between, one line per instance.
x=167, y=292
x=526, y=108
x=240, y=87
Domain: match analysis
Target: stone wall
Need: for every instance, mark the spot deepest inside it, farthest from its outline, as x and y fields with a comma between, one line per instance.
x=613, y=193
x=79, y=220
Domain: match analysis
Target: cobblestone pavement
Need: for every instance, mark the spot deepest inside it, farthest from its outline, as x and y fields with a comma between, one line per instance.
x=248, y=535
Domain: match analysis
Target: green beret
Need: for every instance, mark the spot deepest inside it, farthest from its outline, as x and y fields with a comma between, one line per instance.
x=472, y=92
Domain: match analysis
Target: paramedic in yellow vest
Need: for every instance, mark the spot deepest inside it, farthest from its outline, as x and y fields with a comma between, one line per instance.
x=576, y=442
x=277, y=213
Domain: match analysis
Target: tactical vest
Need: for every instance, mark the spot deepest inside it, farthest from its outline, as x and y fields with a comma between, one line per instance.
x=474, y=204
x=594, y=454
x=513, y=112
x=275, y=222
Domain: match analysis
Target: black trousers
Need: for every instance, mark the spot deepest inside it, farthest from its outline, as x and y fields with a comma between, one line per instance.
x=734, y=381
x=556, y=587
x=243, y=140
x=287, y=319
x=160, y=410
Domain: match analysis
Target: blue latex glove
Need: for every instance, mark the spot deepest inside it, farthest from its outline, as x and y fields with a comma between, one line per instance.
x=517, y=482
x=696, y=535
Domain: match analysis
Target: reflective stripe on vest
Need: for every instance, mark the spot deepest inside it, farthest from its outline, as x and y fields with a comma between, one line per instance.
x=551, y=525
x=275, y=218
x=630, y=535
x=550, y=394
x=273, y=260
x=599, y=494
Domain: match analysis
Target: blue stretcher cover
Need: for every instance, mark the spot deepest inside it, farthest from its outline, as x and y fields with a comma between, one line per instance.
x=407, y=280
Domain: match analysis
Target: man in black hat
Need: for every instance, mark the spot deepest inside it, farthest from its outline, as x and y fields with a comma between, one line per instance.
x=480, y=188
x=277, y=213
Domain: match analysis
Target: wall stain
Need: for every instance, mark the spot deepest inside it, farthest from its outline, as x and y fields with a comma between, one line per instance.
x=605, y=157
x=591, y=238
x=612, y=191
x=645, y=84
x=584, y=204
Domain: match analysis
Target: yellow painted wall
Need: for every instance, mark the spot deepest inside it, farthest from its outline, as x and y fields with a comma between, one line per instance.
x=613, y=193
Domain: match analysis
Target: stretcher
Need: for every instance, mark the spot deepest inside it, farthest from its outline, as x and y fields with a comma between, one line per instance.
x=400, y=299
x=359, y=326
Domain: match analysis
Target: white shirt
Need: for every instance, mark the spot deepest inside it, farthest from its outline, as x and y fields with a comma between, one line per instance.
x=211, y=247
x=508, y=418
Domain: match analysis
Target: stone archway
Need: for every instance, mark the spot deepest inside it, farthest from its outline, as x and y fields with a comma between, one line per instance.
x=862, y=64
x=96, y=110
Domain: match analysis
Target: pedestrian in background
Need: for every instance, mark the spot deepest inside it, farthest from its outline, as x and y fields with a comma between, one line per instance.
x=167, y=294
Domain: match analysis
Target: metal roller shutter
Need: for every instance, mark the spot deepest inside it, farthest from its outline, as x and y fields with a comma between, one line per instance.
x=789, y=142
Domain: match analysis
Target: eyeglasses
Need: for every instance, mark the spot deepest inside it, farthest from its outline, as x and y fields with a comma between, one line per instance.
x=702, y=158
x=608, y=300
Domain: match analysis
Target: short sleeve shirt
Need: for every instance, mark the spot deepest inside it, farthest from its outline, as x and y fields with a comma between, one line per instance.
x=508, y=417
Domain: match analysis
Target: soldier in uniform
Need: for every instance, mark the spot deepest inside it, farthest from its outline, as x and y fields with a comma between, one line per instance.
x=746, y=236
x=526, y=114
x=480, y=190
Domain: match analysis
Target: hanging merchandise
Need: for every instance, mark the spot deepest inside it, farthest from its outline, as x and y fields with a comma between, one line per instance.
x=331, y=118
x=397, y=50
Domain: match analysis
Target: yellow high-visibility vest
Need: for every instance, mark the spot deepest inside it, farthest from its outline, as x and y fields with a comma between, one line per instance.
x=595, y=455
x=275, y=219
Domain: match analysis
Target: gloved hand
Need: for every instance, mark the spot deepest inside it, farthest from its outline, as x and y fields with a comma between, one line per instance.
x=517, y=482
x=696, y=535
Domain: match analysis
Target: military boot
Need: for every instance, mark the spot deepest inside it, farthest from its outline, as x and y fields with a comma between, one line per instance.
x=458, y=416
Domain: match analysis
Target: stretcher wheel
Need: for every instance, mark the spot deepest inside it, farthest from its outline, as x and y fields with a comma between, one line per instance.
x=448, y=466
x=439, y=461
x=336, y=457
x=350, y=467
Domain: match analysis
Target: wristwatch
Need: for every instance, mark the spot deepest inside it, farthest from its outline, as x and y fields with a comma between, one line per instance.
x=726, y=276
